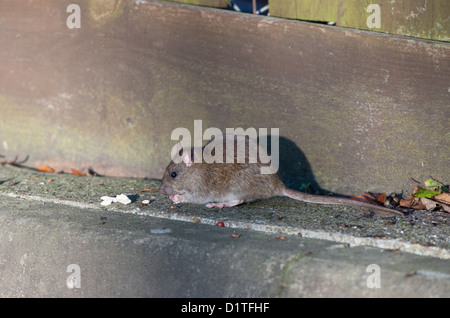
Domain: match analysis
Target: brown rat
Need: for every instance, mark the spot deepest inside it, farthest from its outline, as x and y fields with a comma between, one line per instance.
x=228, y=184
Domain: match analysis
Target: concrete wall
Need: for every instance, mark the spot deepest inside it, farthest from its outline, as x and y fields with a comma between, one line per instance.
x=357, y=111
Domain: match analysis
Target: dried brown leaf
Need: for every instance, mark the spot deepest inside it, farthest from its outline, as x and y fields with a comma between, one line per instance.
x=446, y=207
x=429, y=204
x=443, y=198
x=76, y=172
x=45, y=169
x=372, y=198
x=412, y=203
x=381, y=199
x=148, y=189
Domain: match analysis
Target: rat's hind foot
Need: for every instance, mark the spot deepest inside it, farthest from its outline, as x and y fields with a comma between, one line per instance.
x=224, y=204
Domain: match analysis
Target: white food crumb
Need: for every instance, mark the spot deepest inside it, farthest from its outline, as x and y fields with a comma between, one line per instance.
x=122, y=198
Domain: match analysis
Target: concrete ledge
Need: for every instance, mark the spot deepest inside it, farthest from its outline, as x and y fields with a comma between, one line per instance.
x=122, y=255
x=143, y=251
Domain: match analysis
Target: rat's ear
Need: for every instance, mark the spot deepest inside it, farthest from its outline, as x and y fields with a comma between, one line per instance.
x=181, y=154
x=186, y=157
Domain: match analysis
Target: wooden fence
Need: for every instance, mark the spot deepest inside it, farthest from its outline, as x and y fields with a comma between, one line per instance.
x=416, y=18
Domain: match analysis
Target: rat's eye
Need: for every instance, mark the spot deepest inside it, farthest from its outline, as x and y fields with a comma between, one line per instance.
x=173, y=175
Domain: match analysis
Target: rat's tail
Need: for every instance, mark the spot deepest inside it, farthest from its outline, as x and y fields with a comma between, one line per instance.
x=321, y=199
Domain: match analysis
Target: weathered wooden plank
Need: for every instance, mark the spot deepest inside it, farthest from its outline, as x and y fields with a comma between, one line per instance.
x=206, y=3
x=417, y=18
x=356, y=110
x=317, y=10
x=283, y=9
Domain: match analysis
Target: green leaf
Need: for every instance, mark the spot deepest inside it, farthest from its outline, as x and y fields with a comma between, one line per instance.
x=305, y=187
x=431, y=183
x=424, y=193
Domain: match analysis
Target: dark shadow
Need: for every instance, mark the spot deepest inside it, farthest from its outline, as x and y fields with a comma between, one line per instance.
x=133, y=197
x=294, y=167
x=3, y=181
x=262, y=7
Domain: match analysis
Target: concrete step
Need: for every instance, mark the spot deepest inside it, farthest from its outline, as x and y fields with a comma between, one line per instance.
x=56, y=240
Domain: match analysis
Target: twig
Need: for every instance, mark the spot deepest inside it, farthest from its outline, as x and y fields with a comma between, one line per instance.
x=148, y=189
x=16, y=163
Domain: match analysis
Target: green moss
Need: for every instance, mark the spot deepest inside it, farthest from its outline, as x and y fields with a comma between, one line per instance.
x=105, y=11
x=28, y=132
x=118, y=131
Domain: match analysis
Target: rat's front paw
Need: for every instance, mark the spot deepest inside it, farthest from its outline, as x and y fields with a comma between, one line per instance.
x=177, y=198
